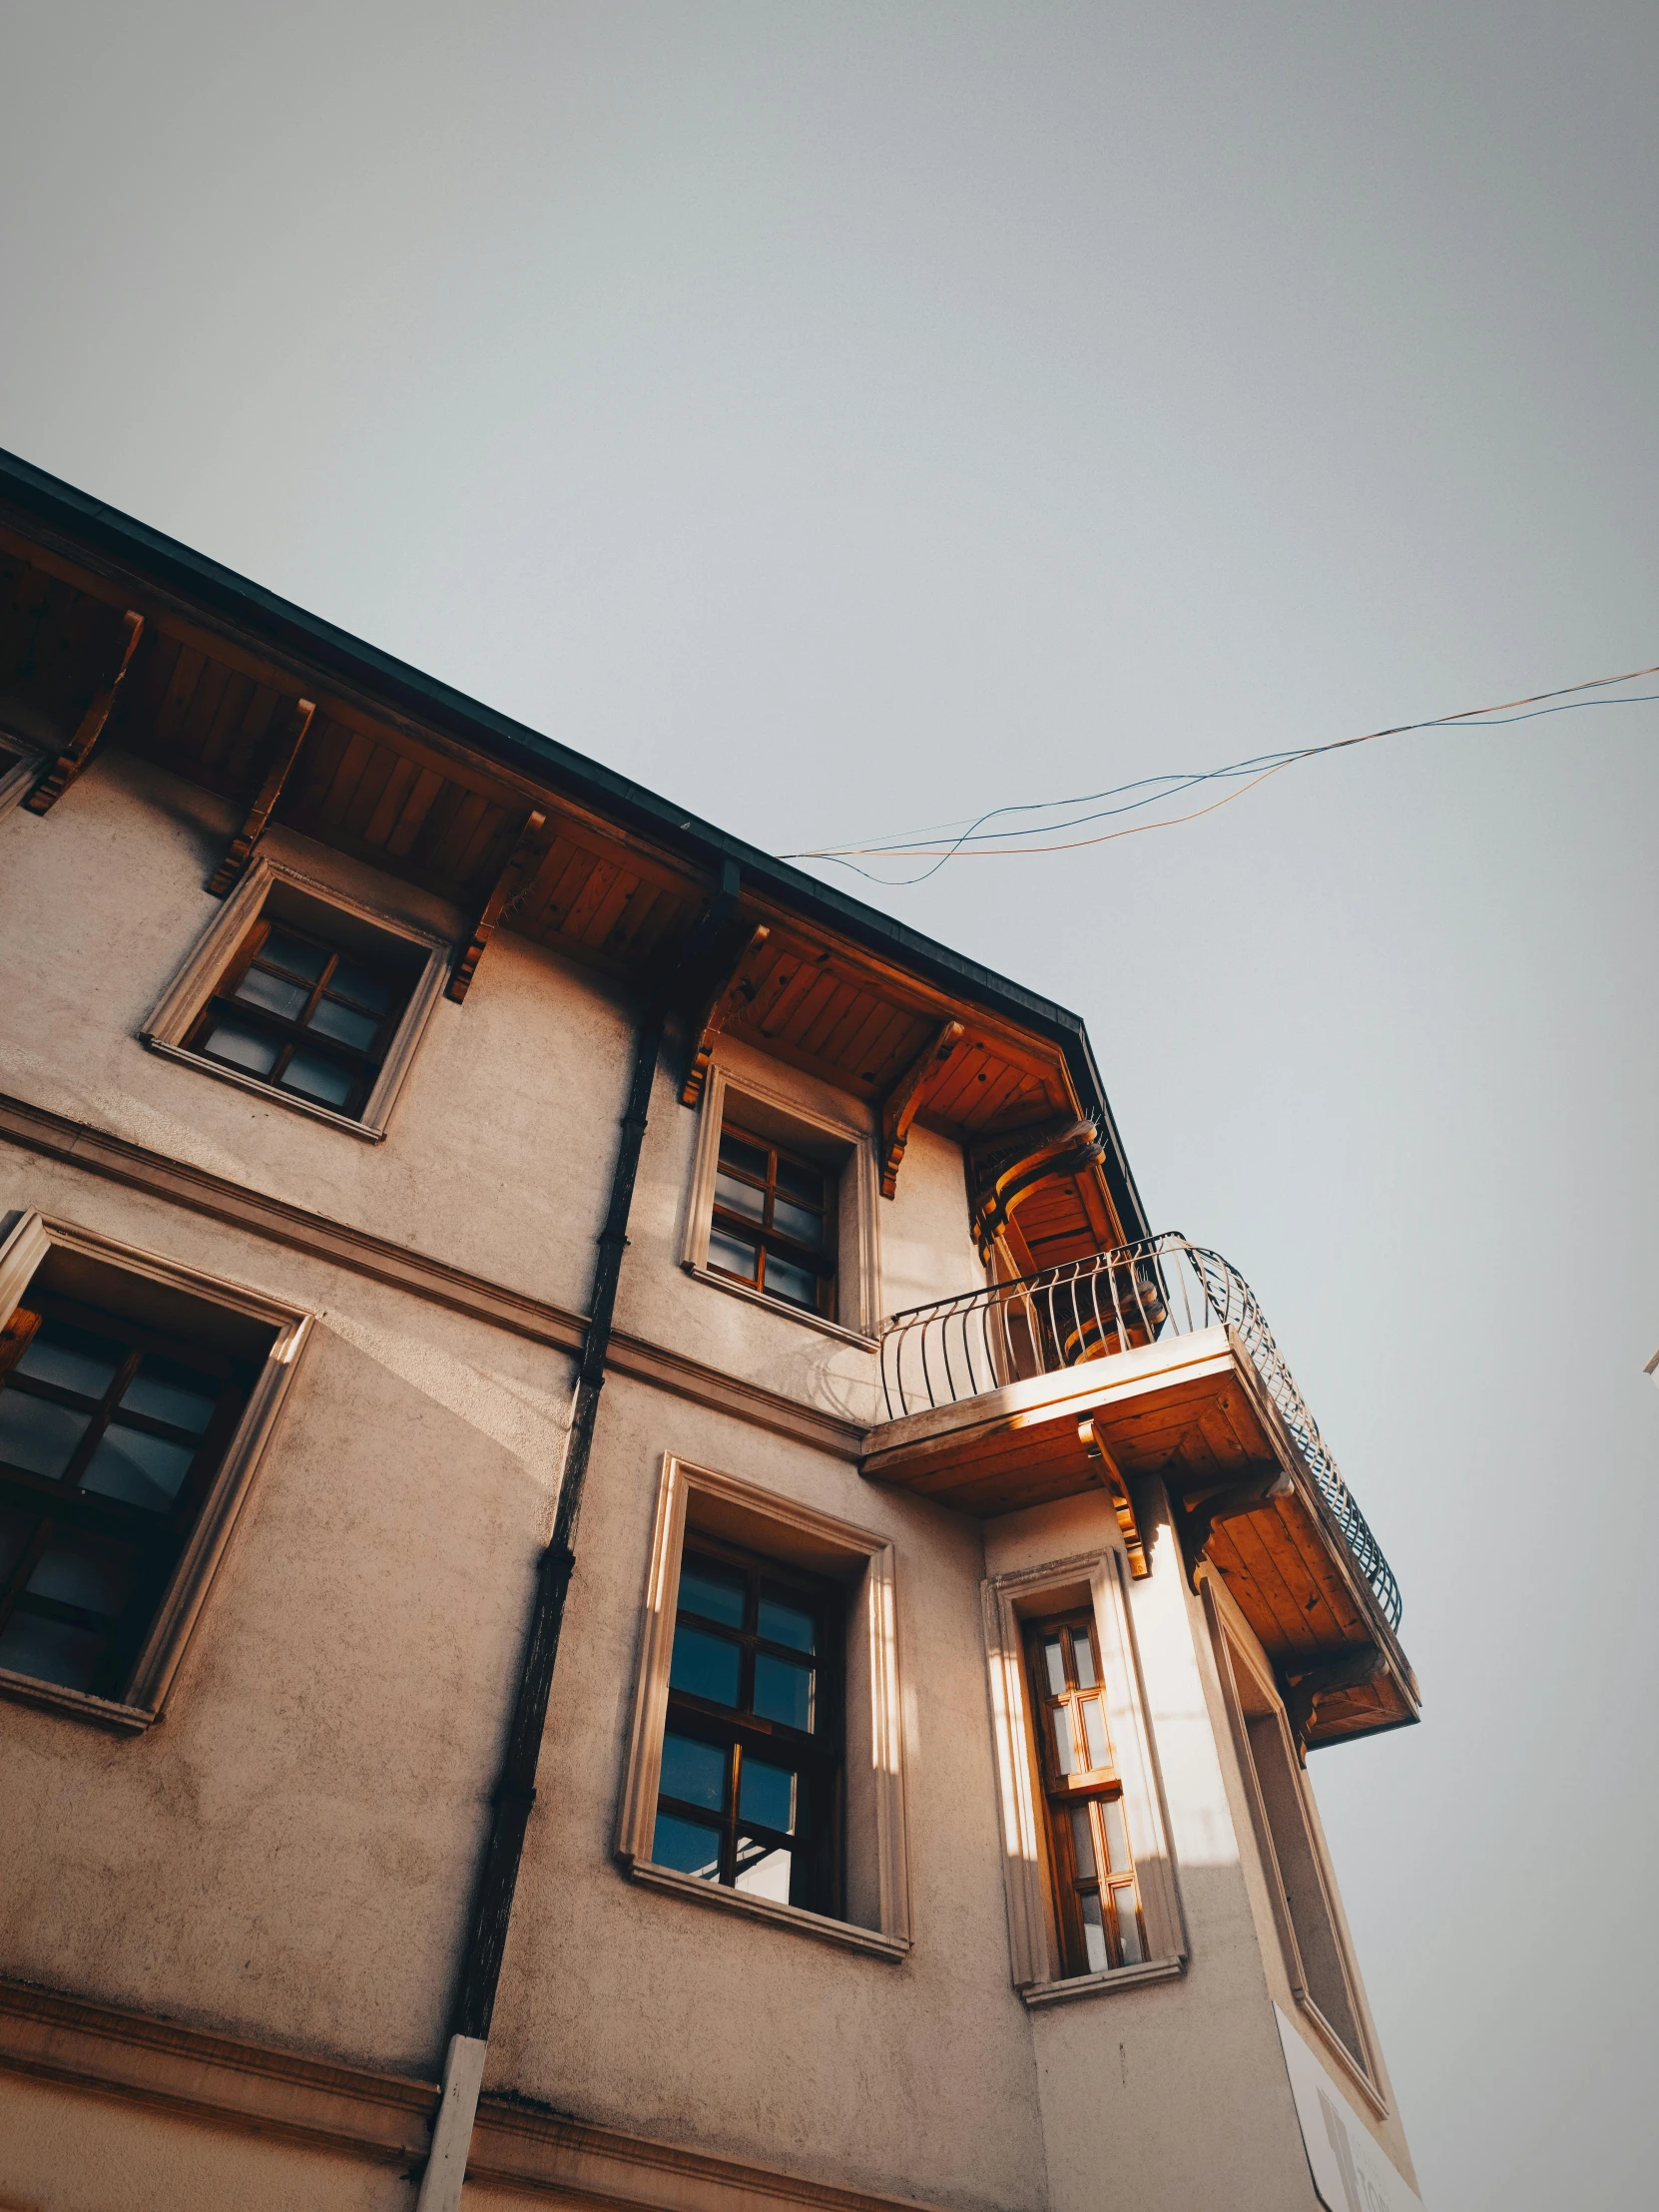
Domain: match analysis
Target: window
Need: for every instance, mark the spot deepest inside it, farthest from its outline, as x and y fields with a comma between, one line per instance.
x=750, y=1783
x=303, y=1014
x=1096, y=1901
x=773, y=1225
x=302, y=995
x=766, y=1766
x=1090, y=1881
x=132, y=1411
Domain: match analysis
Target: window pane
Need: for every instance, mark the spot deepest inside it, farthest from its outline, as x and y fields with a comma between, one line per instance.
x=15, y=1530
x=77, y=1571
x=766, y=1795
x=274, y=993
x=1094, y=1932
x=733, y=1254
x=780, y=1623
x=797, y=1286
x=750, y=1159
x=1082, y=1658
x=51, y=1651
x=1094, y=1731
x=241, y=1046
x=284, y=950
x=315, y=1077
x=797, y=1222
x=798, y=1182
x=687, y=1846
x=1082, y=1841
x=362, y=985
x=1129, y=1933
x=739, y=1198
x=1063, y=1745
x=1054, y=1660
x=73, y=1358
x=166, y=1391
x=1117, y=1837
x=710, y=1593
x=695, y=1772
x=345, y=1023
x=144, y=1470
x=783, y=1691
x=762, y=1871
x=36, y=1437
x=704, y=1666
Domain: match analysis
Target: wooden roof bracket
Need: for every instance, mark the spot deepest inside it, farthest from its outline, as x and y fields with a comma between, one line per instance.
x=232, y=868
x=898, y=1108
x=725, y=985
x=78, y=752
x=1197, y=1513
x=510, y=885
x=1117, y=1487
x=1001, y=1178
x=1349, y=1670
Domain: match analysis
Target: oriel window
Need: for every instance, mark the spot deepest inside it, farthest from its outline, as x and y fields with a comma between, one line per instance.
x=1097, y=1903
x=109, y=1436
x=774, y=1223
x=310, y=1017
x=750, y=1788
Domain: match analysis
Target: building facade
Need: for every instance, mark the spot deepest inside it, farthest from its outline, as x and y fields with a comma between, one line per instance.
x=624, y=1569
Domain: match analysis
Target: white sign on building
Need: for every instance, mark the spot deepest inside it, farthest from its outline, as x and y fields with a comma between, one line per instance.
x=1350, y=2172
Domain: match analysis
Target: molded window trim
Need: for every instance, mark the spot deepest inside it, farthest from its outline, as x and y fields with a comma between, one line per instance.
x=18, y=775
x=722, y=1507
x=1237, y=1653
x=1010, y=1602
x=31, y=1239
x=171, y=1020
x=852, y=1146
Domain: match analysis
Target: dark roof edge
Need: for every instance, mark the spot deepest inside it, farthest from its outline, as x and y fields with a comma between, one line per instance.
x=104, y=530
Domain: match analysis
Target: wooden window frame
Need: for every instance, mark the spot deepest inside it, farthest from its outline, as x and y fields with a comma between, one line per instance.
x=21, y=763
x=771, y=1242
x=223, y=1487
x=699, y=1508
x=273, y=889
x=1097, y=1583
x=1289, y=1847
x=840, y=1142
x=817, y=1755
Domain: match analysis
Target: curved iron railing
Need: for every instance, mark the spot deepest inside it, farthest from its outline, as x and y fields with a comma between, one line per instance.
x=958, y=1347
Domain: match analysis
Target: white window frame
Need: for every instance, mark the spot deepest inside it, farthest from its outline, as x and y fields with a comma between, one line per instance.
x=1008, y=1602
x=695, y=1496
x=1237, y=1650
x=857, y=1235
x=32, y=1236
x=188, y=993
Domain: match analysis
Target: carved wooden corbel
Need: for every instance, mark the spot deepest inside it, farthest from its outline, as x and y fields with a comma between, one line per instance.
x=1349, y=1670
x=231, y=870
x=511, y=884
x=1198, y=1513
x=729, y=982
x=78, y=752
x=1006, y=1172
x=1117, y=1486
x=898, y=1108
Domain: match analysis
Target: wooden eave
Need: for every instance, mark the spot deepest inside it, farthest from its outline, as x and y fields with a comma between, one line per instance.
x=1190, y=1411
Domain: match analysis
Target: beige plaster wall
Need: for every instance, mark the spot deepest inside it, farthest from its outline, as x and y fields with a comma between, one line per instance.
x=64, y=2151
x=288, y=1852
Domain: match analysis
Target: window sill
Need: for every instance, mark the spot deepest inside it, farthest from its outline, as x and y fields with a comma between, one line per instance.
x=204, y=1066
x=792, y=1916
x=777, y=1306
x=1102, y=1984
x=79, y=1705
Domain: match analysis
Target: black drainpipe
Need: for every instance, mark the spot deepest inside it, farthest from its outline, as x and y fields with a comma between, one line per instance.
x=515, y=1792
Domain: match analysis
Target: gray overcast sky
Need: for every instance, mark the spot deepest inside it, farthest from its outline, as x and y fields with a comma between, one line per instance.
x=842, y=416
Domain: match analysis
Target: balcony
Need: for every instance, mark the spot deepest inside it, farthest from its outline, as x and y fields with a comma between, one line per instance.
x=1155, y=1360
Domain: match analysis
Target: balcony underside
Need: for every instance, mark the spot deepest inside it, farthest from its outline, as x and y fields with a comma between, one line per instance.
x=1191, y=1412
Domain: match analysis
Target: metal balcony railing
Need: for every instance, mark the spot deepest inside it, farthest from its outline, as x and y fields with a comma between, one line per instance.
x=958, y=1347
